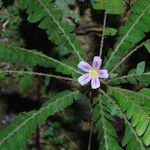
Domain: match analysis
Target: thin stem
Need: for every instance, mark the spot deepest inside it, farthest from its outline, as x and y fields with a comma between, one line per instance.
x=91, y=126
x=90, y=137
x=72, y=143
x=103, y=124
x=103, y=34
x=129, y=54
x=38, y=137
x=38, y=74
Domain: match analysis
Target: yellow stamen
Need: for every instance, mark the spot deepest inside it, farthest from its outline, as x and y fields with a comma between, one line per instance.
x=94, y=72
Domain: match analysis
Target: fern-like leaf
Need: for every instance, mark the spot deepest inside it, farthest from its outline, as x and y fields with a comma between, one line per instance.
x=131, y=140
x=33, y=58
x=58, y=29
x=142, y=95
x=143, y=78
x=30, y=74
x=139, y=114
x=132, y=32
x=147, y=46
x=106, y=131
x=16, y=135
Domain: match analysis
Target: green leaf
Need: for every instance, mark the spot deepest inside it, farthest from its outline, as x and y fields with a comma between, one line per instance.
x=63, y=5
x=1, y=3
x=131, y=33
x=103, y=126
x=31, y=73
x=145, y=91
x=33, y=58
x=143, y=78
x=25, y=82
x=146, y=137
x=131, y=139
x=111, y=6
x=135, y=111
x=140, y=67
x=140, y=95
x=25, y=124
x=127, y=136
x=115, y=7
x=110, y=31
x=99, y=4
x=49, y=17
x=2, y=74
x=147, y=45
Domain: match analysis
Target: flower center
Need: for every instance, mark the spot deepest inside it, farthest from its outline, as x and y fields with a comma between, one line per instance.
x=94, y=72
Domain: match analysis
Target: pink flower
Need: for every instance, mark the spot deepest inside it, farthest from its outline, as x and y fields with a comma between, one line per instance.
x=93, y=73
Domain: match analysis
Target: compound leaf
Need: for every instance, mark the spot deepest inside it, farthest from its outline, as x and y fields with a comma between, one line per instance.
x=25, y=124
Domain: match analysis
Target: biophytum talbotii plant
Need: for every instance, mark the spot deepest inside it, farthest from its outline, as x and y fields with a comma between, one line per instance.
x=106, y=78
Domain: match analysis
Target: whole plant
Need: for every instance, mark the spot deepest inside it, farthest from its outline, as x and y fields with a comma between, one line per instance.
x=107, y=74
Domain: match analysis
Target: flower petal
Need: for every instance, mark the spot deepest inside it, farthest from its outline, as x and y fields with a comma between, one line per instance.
x=103, y=74
x=84, y=66
x=97, y=62
x=95, y=83
x=84, y=79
